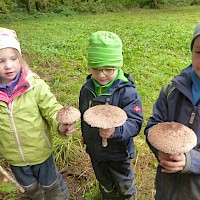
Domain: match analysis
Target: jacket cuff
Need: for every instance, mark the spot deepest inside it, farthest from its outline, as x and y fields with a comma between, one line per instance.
x=187, y=162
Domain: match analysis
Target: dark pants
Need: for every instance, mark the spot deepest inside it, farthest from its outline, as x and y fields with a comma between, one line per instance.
x=115, y=177
x=42, y=180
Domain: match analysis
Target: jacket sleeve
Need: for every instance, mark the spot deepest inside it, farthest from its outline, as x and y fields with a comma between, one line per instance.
x=47, y=103
x=130, y=102
x=160, y=114
x=192, y=162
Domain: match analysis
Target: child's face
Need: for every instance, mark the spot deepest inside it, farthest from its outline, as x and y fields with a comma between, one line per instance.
x=9, y=65
x=196, y=56
x=104, y=75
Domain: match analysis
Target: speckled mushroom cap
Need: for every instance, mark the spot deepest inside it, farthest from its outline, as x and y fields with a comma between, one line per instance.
x=172, y=137
x=68, y=115
x=105, y=116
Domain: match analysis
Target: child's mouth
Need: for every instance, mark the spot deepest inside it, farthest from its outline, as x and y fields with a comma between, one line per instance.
x=9, y=73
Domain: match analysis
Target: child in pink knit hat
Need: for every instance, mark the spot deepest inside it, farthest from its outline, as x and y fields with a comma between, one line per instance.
x=28, y=112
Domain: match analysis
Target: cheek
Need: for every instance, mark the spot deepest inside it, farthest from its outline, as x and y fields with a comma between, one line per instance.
x=110, y=78
x=196, y=63
x=95, y=76
x=196, y=68
x=1, y=69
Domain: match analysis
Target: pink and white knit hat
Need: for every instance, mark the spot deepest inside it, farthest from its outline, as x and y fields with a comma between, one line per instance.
x=8, y=38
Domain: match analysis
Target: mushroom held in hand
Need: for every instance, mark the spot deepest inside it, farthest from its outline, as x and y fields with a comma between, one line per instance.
x=105, y=116
x=68, y=115
x=172, y=137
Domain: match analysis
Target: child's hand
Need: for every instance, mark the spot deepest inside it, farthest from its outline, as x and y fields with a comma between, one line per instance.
x=171, y=163
x=67, y=129
x=106, y=133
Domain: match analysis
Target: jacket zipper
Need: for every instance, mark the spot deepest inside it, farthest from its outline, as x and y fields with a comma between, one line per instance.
x=15, y=132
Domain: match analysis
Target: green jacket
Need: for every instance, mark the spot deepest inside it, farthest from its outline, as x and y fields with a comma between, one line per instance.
x=26, y=121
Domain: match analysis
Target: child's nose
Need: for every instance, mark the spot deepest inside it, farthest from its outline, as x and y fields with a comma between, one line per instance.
x=101, y=74
x=8, y=65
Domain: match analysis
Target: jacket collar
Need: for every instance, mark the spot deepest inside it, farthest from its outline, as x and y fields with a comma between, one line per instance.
x=21, y=87
x=116, y=85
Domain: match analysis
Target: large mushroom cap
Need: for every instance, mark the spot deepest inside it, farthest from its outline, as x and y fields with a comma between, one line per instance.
x=172, y=137
x=105, y=116
x=68, y=115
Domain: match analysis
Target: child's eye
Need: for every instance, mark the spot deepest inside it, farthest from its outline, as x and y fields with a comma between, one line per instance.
x=109, y=70
x=14, y=58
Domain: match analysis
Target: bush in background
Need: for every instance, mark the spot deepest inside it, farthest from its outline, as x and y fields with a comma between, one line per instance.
x=70, y=7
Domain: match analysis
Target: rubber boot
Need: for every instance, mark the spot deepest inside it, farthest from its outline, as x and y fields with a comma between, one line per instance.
x=55, y=191
x=34, y=192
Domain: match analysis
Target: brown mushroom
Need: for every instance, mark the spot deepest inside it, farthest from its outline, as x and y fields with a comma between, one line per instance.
x=172, y=137
x=105, y=116
x=68, y=115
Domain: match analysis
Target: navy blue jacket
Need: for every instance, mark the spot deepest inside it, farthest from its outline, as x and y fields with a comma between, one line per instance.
x=121, y=145
x=177, y=105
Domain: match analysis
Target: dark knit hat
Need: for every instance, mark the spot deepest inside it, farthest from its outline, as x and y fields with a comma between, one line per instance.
x=105, y=49
x=195, y=34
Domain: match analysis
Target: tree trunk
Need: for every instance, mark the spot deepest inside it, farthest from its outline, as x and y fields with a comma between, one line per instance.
x=39, y=6
x=28, y=6
x=155, y=2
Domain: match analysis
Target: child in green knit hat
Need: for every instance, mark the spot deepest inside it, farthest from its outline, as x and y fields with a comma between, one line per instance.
x=108, y=84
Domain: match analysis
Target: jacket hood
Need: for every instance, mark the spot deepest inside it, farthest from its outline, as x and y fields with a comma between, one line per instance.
x=183, y=81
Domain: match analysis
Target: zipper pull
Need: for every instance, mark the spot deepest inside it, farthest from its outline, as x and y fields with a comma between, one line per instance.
x=192, y=116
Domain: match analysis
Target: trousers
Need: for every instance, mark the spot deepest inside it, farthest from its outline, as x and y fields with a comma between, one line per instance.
x=41, y=181
x=115, y=177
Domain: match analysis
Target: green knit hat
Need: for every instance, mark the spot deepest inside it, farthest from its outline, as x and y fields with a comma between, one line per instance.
x=105, y=49
x=195, y=34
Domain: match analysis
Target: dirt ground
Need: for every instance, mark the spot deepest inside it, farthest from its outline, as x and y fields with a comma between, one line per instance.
x=79, y=176
x=75, y=179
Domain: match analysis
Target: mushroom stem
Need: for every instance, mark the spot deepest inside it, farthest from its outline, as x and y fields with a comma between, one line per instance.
x=3, y=171
x=104, y=142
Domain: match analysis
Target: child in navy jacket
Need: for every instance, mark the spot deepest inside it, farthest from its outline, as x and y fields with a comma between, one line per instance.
x=108, y=84
x=178, y=176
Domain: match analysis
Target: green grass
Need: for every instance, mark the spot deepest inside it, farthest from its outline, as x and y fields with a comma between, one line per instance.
x=7, y=187
x=156, y=48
